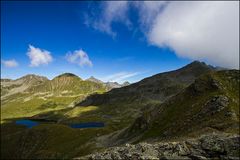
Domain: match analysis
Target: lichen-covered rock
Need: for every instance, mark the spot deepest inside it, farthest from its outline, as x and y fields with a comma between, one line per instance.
x=216, y=104
x=212, y=146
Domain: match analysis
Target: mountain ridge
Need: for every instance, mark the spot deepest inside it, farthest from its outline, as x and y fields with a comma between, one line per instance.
x=93, y=79
x=210, y=97
x=157, y=87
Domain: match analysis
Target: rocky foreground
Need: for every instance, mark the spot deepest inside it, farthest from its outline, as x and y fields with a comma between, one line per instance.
x=206, y=147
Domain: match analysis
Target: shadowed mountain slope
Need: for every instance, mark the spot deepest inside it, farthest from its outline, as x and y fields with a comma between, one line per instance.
x=155, y=88
x=210, y=104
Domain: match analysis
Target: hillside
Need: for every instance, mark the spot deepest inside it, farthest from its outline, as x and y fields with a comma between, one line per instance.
x=10, y=87
x=155, y=88
x=68, y=84
x=210, y=104
x=31, y=94
x=208, y=108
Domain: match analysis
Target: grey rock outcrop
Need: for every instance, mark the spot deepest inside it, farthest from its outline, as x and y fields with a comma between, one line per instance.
x=216, y=104
x=212, y=146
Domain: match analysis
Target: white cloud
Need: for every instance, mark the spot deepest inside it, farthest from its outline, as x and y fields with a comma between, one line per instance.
x=38, y=56
x=120, y=77
x=79, y=57
x=203, y=30
x=200, y=30
x=112, y=11
x=148, y=11
x=10, y=63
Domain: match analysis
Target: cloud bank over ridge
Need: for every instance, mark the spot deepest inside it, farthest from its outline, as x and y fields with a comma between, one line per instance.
x=202, y=30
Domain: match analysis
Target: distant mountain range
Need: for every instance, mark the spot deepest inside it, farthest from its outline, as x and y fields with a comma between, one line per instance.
x=66, y=81
x=108, y=85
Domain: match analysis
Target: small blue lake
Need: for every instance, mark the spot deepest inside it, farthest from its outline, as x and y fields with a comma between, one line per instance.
x=87, y=125
x=27, y=123
x=32, y=123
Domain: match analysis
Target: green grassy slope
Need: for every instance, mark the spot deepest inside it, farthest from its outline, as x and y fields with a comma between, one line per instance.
x=49, y=95
x=68, y=84
x=211, y=103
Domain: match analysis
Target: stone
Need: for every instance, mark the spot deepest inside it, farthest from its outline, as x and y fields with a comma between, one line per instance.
x=213, y=146
x=216, y=104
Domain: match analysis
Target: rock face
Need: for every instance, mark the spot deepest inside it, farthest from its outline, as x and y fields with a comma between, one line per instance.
x=112, y=85
x=214, y=146
x=93, y=79
x=216, y=104
x=10, y=87
x=108, y=85
x=126, y=83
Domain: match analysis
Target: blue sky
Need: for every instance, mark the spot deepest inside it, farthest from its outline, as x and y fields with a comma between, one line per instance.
x=106, y=40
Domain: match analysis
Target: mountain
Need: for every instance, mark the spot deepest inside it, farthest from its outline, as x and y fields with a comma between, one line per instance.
x=156, y=88
x=93, y=79
x=67, y=75
x=65, y=81
x=112, y=85
x=199, y=122
x=68, y=84
x=6, y=80
x=31, y=94
x=125, y=84
x=210, y=104
x=10, y=87
x=108, y=85
x=32, y=79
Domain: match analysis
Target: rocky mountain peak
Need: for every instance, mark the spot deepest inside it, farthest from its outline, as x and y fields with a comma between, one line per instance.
x=93, y=79
x=196, y=64
x=126, y=83
x=31, y=79
x=32, y=76
x=67, y=75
